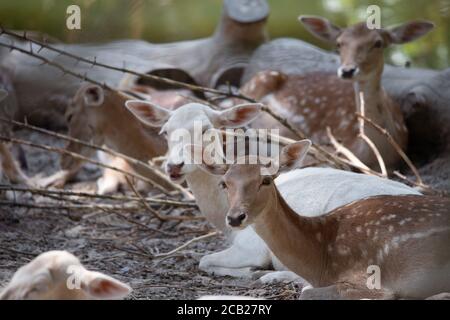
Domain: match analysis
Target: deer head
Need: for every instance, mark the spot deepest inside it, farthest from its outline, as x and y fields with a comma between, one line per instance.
x=360, y=48
x=248, y=187
x=58, y=275
x=187, y=125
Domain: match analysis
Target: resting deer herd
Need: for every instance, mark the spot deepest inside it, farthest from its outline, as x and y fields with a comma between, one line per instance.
x=322, y=226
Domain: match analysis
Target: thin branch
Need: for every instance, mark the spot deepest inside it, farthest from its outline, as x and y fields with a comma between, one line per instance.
x=354, y=160
x=80, y=157
x=315, y=149
x=396, y=147
x=366, y=139
x=172, y=252
x=154, y=212
x=61, y=193
x=151, y=167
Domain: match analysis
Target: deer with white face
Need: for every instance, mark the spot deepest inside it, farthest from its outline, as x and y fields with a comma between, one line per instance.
x=99, y=116
x=59, y=275
x=8, y=109
x=320, y=189
x=406, y=238
x=361, y=53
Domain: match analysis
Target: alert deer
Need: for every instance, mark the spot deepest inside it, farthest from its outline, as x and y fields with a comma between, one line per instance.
x=312, y=191
x=100, y=116
x=8, y=109
x=59, y=275
x=406, y=237
x=361, y=54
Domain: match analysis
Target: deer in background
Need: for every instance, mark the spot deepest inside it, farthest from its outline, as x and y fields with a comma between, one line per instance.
x=315, y=101
x=99, y=116
x=406, y=237
x=8, y=109
x=48, y=276
x=312, y=191
x=362, y=62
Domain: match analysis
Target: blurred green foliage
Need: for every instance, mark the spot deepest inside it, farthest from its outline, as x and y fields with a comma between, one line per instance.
x=174, y=20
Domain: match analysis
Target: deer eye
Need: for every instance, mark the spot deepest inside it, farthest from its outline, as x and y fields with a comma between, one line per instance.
x=378, y=44
x=266, y=181
x=223, y=185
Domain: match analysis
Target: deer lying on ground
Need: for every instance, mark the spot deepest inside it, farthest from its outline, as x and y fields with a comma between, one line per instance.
x=59, y=275
x=8, y=108
x=407, y=238
x=100, y=117
x=312, y=191
x=315, y=101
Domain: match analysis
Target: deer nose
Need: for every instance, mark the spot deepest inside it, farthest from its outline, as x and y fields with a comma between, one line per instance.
x=174, y=170
x=236, y=221
x=347, y=72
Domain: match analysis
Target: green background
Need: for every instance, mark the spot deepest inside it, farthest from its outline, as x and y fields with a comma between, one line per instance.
x=173, y=20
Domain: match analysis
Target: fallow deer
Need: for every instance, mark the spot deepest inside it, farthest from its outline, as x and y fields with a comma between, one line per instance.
x=315, y=101
x=362, y=62
x=405, y=237
x=312, y=191
x=100, y=116
x=59, y=275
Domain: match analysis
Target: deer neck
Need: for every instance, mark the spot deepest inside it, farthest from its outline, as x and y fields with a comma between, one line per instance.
x=298, y=242
x=211, y=200
x=375, y=98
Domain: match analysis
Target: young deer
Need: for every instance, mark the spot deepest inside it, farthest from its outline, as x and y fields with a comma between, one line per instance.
x=362, y=62
x=406, y=237
x=8, y=109
x=99, y=116
x=59, y=275
x=312, y=191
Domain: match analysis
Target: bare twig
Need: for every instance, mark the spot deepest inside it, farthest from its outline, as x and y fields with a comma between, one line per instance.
x=154, y=212
x=363, y=136
x=395, y=146
x=80, y=157
x=149, y=166
x=170, y=253
x=61, y=193
x=317, y=151
x=354, y=160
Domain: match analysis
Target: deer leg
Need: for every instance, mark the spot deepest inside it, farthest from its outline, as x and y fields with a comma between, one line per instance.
x=10, y=166
x=112, y=180
x=240, y=260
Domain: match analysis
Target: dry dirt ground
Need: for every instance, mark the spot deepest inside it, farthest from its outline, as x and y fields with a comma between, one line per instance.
x=117, y=243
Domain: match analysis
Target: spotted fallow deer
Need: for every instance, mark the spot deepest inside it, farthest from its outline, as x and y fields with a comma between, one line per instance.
x=406, y=238
x=312, y=191
x=59, y=275
x=8, y=109
x=99, y=116
x=316, y=101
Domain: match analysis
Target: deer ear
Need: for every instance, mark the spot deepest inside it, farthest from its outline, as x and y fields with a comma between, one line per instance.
x=94, y=96
x=292, y=155
x=3, y=94
x=100, y=286
x=321, y=28
x=148, y=113
x=409, y=31
x=239, y=116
